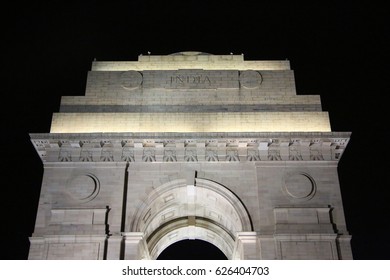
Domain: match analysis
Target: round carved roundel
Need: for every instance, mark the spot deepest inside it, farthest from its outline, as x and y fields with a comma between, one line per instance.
x=250, y=79
x=299, y=186
x=83, y=187
x=131, y=80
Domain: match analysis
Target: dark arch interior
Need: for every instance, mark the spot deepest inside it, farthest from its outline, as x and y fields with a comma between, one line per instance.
x=192, y=250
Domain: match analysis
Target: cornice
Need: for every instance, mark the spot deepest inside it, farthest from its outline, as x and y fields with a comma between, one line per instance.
x=190, y=147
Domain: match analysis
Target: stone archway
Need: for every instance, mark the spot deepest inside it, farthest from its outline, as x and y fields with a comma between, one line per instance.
x=177, y=211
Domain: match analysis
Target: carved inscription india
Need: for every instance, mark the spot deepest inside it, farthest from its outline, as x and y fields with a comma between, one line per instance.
x=190, y=79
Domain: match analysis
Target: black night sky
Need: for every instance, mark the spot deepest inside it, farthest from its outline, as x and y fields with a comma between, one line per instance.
x=337, y=50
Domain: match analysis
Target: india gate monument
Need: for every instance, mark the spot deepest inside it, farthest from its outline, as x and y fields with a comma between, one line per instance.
x=190, y=146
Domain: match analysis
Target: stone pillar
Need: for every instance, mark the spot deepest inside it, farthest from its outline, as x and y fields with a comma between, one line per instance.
x=344, y=247
x=113, y=247
x=246, y=247
x=37, y=248
x=267, y=247
x=134, y=246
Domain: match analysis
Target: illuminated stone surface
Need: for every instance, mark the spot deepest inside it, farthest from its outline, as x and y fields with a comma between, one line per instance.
x=190, y=146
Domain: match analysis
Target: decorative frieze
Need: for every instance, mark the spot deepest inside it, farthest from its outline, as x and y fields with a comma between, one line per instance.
x=127, y=154
x=117, y=148
x=149, y=155
x=212, y=154
x=191, y=154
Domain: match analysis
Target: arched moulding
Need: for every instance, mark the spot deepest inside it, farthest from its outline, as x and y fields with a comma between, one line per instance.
x=206, y=210
x=208, y=234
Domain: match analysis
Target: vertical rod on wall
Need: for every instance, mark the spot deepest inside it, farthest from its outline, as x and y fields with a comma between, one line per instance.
x=124, y=205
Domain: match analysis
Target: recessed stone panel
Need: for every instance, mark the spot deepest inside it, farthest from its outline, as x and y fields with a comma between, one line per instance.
x=303, y=250
x=73, y=251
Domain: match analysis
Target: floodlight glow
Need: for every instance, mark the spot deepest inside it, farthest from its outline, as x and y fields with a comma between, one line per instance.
x=191, y=122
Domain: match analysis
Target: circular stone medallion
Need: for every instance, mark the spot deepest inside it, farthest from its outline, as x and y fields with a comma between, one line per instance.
x=250, y=79
x=131, y=80
x=83, y=187
x=299, y=186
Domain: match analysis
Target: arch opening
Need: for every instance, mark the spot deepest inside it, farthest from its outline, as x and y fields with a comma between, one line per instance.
x=176, y=211
x=192, y=250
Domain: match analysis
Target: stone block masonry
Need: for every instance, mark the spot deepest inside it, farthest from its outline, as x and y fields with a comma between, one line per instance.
x=190, y=146
x=190, y=122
